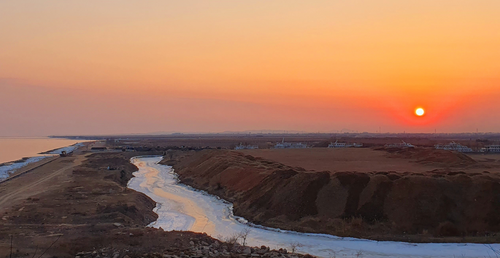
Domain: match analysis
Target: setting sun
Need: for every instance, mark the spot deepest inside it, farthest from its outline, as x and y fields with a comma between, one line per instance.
x=319, y=121
x=419, y=111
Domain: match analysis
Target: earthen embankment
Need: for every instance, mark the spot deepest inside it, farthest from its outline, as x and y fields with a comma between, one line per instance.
x=438, y=205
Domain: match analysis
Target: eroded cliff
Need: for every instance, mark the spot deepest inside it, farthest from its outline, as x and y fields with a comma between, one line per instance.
x=379, y=205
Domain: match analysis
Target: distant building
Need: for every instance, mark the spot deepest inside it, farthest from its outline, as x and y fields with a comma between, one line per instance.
x=288, y=145
x=403, y=144
x=337, y=144
x=246, y=147
x=453, y=146
x=492, y=148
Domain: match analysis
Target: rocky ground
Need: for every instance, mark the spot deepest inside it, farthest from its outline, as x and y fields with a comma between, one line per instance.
x=199, y=247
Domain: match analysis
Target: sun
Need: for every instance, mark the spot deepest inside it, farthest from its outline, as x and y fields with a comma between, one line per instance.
x=419, y=111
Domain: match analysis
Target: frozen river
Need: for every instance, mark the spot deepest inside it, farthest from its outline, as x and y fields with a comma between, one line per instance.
x=181, y=207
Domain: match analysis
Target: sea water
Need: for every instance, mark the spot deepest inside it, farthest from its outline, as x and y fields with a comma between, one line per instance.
x=15, y=149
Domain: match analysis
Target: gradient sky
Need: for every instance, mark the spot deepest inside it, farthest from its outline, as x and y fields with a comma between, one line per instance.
x=105, y=67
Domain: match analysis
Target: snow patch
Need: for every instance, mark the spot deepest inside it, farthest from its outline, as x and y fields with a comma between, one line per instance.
x=8, y=168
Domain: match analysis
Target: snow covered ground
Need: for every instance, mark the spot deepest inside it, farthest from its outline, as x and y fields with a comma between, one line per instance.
x=182, y=207
x=8, y=169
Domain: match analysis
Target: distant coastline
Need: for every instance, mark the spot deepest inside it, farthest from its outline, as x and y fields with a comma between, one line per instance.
x=26, y=153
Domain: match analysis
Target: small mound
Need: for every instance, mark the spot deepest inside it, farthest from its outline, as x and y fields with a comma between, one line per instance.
x=433, y=157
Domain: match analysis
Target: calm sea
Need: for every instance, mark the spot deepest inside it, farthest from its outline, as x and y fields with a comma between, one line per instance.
x=16, y=148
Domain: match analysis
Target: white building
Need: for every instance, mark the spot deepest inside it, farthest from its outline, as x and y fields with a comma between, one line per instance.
x=453, y=146
x=246, y=147
x=403, y=144
x=493, y=148
x=337, y=144
x=289, y=145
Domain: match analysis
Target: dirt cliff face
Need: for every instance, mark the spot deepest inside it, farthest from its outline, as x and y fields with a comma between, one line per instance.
x=379, y=205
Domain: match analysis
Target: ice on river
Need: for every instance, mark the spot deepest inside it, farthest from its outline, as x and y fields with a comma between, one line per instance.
x=181, y=207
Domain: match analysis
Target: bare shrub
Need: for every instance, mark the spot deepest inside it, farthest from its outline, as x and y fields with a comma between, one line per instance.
x=232, y=240
x=294, y=246
x=244, y=235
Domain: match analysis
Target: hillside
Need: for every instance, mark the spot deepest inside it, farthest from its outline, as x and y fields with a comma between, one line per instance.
x=385, y=205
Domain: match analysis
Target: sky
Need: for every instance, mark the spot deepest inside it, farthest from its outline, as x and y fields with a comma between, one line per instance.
x=117, y=67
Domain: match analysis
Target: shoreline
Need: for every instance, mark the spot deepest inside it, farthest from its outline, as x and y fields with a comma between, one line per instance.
x=68, y=149
x=17, y=161
x=11, y=169
x=29, y=167
x=16, y=148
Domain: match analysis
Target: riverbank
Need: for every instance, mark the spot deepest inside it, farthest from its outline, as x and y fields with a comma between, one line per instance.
x=182, y=207
x=81, y=206
x=443, y=204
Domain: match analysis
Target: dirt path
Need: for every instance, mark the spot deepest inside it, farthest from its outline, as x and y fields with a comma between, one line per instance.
x=40, y=180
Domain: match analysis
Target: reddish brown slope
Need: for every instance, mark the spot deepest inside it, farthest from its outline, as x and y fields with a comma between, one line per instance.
x=381, y=205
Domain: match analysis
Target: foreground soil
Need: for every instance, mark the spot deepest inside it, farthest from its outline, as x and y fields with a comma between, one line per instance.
x=438, y=196
x=80, y=207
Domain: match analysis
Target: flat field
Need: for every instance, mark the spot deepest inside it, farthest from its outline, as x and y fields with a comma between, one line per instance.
x=419, y=160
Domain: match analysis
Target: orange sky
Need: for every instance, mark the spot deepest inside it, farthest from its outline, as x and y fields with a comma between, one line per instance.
x=85, y=67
